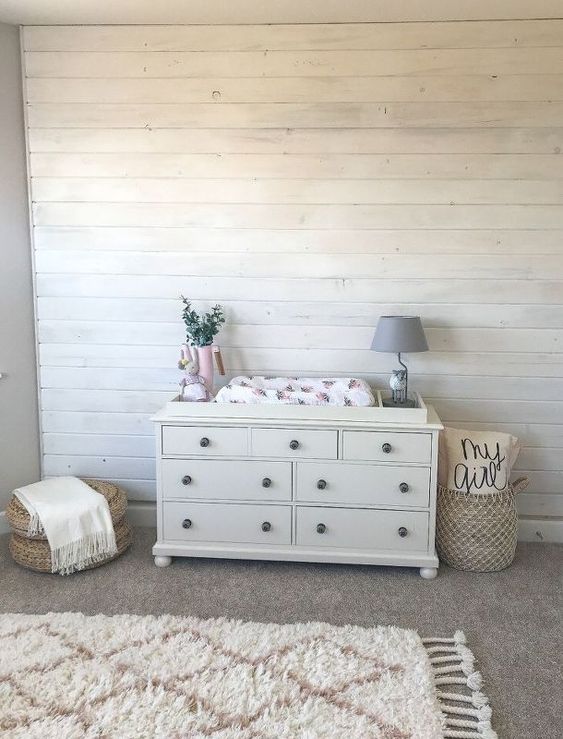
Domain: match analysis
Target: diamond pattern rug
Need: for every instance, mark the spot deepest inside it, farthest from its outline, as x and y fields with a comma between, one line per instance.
x=70, y=676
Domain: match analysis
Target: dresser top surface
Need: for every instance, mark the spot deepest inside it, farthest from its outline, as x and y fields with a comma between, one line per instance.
x=176, y=412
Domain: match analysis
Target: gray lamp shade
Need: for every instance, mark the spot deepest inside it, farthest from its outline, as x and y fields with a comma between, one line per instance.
x=399, y=334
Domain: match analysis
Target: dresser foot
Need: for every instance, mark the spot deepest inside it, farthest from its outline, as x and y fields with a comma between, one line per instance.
x=162, y=561
x=428, y=573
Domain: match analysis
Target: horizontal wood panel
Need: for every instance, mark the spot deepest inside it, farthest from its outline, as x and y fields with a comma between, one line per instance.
x=308, y=141
x=518, y=292
x=112, y=445
x=440, y=88
x=103, y=400
x=320, y=361
x=545, y=482
x=545, y=458
x=71, y=422
x=167, y=380
x=288, y=12
x=294, y=265
x=301, y=313
x=301, y=166
x=233, y=335
x=310, y=63
x=137, y=490
x=540, y=505
x=478, y=34
x=297, y=115
x=310, y=191
x=298, y=216
x=337, y=241
x=102, y=467
x=504, y=411
x=529, y=434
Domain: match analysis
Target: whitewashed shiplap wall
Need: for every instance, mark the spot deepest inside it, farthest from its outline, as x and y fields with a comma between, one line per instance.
x=310, y=178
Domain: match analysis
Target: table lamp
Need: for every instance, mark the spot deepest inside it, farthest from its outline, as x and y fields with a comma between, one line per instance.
x=398, y=334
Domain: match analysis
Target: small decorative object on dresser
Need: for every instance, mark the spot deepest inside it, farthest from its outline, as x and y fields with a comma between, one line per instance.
x=296, y=482
x=193, y=386
x=200, y=333
x=398, y=334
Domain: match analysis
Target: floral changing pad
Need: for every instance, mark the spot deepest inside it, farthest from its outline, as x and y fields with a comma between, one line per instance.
x=297, y=391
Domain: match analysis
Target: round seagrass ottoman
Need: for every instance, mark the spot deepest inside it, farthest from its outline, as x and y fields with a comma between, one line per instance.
x=35, y=553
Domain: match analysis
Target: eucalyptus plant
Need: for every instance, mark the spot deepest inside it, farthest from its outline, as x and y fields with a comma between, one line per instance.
x=202, y=328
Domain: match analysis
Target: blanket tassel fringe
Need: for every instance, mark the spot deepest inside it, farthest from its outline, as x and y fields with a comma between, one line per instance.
x=458, y=682
x=80, y=554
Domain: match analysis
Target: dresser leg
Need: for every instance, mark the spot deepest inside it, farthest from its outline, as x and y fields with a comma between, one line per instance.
x=162, y=561
x=428, y=573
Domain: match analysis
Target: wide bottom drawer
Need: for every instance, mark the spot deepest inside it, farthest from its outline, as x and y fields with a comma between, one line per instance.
x=358, y=528
x=253, y=524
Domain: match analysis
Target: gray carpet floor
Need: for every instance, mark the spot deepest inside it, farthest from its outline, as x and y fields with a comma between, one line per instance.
x=512, y=619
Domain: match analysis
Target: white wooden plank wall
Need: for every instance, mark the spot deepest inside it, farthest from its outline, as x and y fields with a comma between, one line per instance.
x=310, y=178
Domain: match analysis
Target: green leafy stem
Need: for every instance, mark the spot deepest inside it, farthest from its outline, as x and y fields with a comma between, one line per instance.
x=202, y=328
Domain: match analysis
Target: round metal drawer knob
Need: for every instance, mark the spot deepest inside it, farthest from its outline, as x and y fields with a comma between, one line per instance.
x=294, y=444
x=321, y=484
x=403, y=532
x=266, y=526
x=186, y=480
x=321, y=528
x=186, y=523
x=204, y=441
x=403, y=487
x=386, y=448
x=266, y=482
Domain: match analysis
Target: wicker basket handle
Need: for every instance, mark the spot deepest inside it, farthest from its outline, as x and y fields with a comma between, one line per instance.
x=520, y=484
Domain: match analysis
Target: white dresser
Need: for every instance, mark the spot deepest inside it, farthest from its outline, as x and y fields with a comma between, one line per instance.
x=295, y=483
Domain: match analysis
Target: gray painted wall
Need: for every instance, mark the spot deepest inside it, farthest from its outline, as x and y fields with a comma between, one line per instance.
x=19, y=435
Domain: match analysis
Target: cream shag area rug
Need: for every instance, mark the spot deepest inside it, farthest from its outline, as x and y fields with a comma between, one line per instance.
x=70, y=676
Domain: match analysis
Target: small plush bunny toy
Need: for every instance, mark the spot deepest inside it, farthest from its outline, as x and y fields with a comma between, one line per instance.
x=192, y=385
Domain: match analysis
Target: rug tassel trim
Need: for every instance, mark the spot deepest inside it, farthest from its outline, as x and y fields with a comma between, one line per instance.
x=453, y=664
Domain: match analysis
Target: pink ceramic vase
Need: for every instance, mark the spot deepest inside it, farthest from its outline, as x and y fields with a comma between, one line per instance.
x=204, y=357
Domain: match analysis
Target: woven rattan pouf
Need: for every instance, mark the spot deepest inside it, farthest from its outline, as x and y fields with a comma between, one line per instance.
x=34, y=552
x=18, y=517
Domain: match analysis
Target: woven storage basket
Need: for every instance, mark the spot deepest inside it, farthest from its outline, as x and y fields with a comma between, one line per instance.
x=35, y=554
x=478, y=531
x=18, y=517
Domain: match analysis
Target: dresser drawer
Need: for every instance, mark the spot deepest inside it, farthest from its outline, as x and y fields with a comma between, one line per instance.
x=349, y=528
x=225, y=479
x=383, y=446
x=358, y=484
x=294, y=443
x=227, y=523
x=208, y=441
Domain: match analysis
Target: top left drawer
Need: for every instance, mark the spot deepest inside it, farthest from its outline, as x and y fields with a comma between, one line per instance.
x=205, y=441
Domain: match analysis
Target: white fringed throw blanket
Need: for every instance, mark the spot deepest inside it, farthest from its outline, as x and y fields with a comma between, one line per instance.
x=75, y=519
